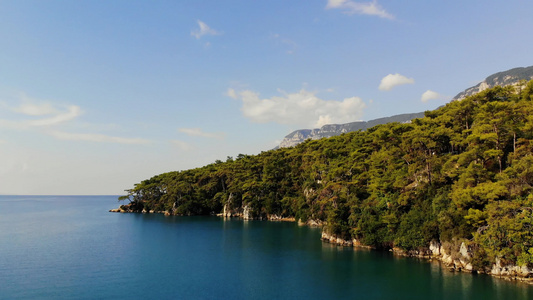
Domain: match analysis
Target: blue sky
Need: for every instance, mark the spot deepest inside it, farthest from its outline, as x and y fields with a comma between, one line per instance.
x=98, y=95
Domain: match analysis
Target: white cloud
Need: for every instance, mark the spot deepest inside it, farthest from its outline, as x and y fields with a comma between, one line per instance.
x=93, y=137
x=392, y=80
x=303, y=108
x=199, y=132
x=9, y=124
x=182, y=145
x=431, y=95
x=47, y=114
x=49, y=119
x=335, y=3
x=361, y=8
x=72, y=112
x=32, y=109
x=204, y=29
x=232, y=93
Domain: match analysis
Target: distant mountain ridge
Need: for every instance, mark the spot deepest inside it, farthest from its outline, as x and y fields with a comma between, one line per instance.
x=329, y=130
x=509, y=77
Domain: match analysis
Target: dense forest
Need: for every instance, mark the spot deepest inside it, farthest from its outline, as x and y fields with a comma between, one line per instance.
x=464, y=172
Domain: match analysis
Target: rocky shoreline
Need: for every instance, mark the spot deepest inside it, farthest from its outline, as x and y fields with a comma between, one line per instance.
x=244, y=213
x=453, y=256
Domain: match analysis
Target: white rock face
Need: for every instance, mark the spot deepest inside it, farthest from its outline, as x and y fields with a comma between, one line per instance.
x=509, y=77
x=311, y=223
x=434, y=247
x=295, y=138
x=464, y=251
x=226, y=211
x=483, y=86
x=337, y=240
x=330, y=130
x=510, y=271
x=246, y=212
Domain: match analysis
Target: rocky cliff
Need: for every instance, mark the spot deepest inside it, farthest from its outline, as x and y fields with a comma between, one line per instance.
x=298, y=136
x=455, y=255
x=509, y=77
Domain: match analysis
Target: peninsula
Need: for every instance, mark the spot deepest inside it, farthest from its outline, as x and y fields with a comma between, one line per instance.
x=455, y=185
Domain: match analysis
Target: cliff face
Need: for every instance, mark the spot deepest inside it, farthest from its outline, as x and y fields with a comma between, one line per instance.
x=456, y=256
x=509, y=77
x=330, y=130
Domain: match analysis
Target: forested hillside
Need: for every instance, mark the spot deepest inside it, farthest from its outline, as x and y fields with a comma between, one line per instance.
x=463, y=172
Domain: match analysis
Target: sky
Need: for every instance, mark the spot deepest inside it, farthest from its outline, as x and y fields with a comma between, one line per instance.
x=98, y=95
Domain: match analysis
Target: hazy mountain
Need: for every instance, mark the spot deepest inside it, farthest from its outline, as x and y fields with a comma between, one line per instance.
x=512, y=76
x=329, y=130
x=509, y=77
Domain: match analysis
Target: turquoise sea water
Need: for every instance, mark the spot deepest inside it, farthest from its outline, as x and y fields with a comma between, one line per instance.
x=71, y=247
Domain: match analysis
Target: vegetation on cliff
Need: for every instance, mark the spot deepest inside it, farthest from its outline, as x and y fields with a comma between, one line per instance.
x=463, y=172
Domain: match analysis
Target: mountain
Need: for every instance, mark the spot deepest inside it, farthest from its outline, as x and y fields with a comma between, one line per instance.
x=509, y=77
x=329, y=130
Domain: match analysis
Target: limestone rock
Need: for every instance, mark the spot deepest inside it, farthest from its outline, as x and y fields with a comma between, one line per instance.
x=434, y=247
x=336, y=240
x=512, y=271
x=247, y=213
x=509, y=77
x=329, y=130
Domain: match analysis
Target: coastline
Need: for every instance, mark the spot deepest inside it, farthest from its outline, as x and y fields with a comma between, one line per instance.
x=455, y=257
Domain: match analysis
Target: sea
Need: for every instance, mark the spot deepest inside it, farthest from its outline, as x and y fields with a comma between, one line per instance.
x=72, y=247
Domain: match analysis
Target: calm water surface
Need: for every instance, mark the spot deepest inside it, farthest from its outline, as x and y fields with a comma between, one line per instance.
x=71, y=247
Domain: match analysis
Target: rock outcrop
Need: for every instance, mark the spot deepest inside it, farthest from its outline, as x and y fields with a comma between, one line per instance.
x=132, y=207
x=456, y=256
x=246, y=212
x=511, y=271
x=333, y=239
x=311, y=223
x=330, y=130
x=453, y=258
x=509, y=77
